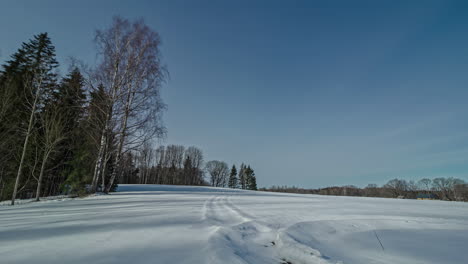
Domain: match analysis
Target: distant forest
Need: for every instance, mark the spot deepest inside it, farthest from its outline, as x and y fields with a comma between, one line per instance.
x=93, y=128
x=450, y=189
x=178, y=165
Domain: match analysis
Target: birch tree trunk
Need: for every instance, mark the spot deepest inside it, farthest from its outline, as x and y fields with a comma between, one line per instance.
x=98, y=166
x=41, y=174
x=121, y=142
x=132, y=73
x=26, y=140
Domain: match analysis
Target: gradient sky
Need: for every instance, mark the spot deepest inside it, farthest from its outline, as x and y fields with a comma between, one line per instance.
x=310, y=93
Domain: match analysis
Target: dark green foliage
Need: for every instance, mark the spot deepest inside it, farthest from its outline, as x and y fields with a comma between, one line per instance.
x=33, y=64
x=30, y=69
x=242, y=178
x=233, y=178
x=77, y=173
x=70, y=165
x=251, y=180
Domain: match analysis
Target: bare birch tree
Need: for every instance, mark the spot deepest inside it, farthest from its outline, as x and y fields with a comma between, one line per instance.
x=219, y=172
x=196, y=157
x=35, y=86
x=146, y=161
x=53, y=134
x=132, y=74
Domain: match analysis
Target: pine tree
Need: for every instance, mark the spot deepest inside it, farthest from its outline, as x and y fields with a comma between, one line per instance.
x=242, y=179
x=30, y=77
x=18, y=86
x=32, y=68
x=187, y=170
x=233, y=178
x=77, y=173
x=70, y=100
x=251, y=181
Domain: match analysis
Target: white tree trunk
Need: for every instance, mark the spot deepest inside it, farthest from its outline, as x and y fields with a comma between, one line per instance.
x=41, y=174
x=26, y=140
x=121, y=142
x=99, y=161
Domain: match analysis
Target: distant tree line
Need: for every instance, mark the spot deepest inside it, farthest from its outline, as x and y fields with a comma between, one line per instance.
x=175, y=164
x=92, y=128
x=451, y=189
x=221, y=176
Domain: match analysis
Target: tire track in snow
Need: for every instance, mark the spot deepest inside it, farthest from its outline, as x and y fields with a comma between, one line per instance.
x=218, y=212
x=236, y=236
x=246, y=239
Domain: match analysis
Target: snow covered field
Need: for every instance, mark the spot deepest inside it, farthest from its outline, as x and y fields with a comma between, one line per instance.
x=177, y=224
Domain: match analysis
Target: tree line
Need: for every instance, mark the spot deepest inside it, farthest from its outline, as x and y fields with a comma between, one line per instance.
x=92, y=128
x=221, y=176
x=450, y=189
x=178, y=165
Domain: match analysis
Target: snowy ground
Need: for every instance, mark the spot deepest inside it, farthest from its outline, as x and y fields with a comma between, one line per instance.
x=177, y=224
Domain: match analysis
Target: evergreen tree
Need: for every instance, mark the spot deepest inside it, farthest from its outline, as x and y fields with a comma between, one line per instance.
x=32, y=68
x=29, y=80
x=77, y=174
x=242, y=179
x=233, y=178
x=70, y=100
x=251, y=181
x=187, y=170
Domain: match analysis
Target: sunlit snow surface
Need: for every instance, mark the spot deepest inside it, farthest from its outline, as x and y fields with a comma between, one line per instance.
x=178, y=224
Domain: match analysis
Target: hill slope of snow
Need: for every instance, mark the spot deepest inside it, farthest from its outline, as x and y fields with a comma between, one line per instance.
x=184, y=224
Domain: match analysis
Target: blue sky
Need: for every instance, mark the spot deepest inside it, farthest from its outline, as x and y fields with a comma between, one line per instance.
x=310, y=93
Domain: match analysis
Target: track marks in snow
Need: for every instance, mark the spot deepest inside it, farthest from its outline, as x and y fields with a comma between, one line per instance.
x=233, y=231
x=177, y=224
x=218, y=211
x=239, y=237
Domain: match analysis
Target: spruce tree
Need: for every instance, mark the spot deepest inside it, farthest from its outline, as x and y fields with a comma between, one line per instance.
x=70, y=100
x=30, y=77
x=187, y=170
x=251, y=181
x=233, y=178
x=30, y=69
x=242, y=179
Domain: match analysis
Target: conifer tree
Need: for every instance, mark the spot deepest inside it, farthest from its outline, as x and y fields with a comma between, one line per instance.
x=31, y=72
x=187, y=170
x=28, y=75
x=251, y=181
x=242, y=179
x=233, y=177
x=70, y=101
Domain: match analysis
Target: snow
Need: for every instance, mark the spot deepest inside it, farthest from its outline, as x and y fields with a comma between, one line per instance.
x=184, y=224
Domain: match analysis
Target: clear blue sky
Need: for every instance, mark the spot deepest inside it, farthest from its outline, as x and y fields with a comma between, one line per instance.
x=310, y=93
